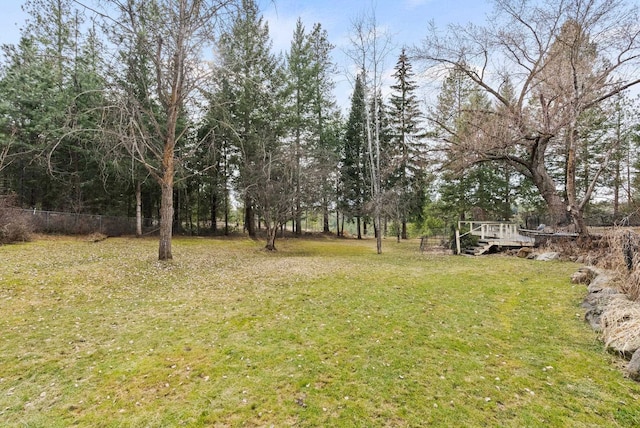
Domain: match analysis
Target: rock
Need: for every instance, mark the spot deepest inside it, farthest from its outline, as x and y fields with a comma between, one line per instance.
x=633, y=368
x=601, y=280
x=546, y=257
x=584, y=275
x=595, y=304
x=524, y=252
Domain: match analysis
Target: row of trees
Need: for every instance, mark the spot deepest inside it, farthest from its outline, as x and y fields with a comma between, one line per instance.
x=180, y=110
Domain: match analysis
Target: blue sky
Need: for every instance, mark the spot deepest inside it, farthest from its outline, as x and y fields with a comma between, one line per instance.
x=405, y=21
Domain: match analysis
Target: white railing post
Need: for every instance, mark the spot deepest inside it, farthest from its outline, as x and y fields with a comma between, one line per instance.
x=458, y=240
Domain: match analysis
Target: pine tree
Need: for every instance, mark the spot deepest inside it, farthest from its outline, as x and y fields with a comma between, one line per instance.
x=354, y=177
x=300, y=82
x=326, y=124
x=52, y=89
x=252, y=79
x=467, y=190
x=408, y=176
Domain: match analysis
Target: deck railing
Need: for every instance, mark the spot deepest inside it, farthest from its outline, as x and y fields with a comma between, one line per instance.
x=498, y=230
x=491, y=229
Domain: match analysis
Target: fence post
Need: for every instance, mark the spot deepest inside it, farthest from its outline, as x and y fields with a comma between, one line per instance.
x=458, y=241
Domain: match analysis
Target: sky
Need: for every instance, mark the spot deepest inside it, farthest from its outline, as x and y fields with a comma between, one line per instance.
x=405, y=21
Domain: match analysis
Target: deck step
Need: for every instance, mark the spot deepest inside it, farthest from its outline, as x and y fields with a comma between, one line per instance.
x=482, y=248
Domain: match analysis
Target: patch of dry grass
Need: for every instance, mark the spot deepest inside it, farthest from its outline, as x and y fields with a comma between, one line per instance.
x=621, y=325
x=321, y=333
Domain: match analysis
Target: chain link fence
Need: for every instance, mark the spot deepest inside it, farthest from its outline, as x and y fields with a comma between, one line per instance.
x=83, y=224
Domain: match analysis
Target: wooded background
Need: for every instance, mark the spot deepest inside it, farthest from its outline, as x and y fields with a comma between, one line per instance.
x=179, y=111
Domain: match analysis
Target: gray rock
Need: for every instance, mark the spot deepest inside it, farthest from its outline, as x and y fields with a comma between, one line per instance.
x=595, y=304
x=546, y=257
x=600, y=281
x=584, y=275
x=633, y=368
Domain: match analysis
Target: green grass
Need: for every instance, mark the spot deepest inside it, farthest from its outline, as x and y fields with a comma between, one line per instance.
x=321, y=333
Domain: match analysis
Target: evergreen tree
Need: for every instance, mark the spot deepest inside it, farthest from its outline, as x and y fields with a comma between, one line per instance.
x=300, y=82
x=467, y=190
x=29, y=106
x=251, y=79
x=408, y=176
x=52, y=90
x=326, y=124
x=354, y=177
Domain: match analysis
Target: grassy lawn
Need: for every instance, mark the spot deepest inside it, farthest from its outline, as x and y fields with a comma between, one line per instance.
x=322, y=333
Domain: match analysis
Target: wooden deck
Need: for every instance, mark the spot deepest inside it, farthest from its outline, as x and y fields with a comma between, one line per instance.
x=492, y=234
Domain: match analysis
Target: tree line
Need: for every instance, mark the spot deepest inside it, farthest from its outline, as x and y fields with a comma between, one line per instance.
x=180, y=110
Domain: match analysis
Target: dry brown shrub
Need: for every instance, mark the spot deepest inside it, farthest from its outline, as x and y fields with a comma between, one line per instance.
x=15, y=225
x=622, y=259
x=621, y=326
x=589, y=249
x=631, y=286
x=96, y=237
x=614, y=241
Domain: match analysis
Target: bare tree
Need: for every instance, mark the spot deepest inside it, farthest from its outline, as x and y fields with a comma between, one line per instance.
x=564, y=58
x=273, y=190
x=163, y=44
x=369, y=47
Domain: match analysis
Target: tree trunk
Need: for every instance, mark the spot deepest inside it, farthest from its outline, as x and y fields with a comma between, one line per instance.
x=214, y=210
x=376, y=226
x=166, y=219
x=249, y=219
x=358, y=227
x=272, y=232
x=404, y=229
x=325, y=217
x=574, y=209
x=138, y=209
x=577, y=217
x=556, y=205
x=226, y=211
x=166, y=185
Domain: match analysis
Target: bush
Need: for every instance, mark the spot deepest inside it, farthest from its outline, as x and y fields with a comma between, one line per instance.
x=15, y=225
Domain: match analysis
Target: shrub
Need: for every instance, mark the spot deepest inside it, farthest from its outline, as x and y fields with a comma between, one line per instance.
x=15, y=225
x=619, y=254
